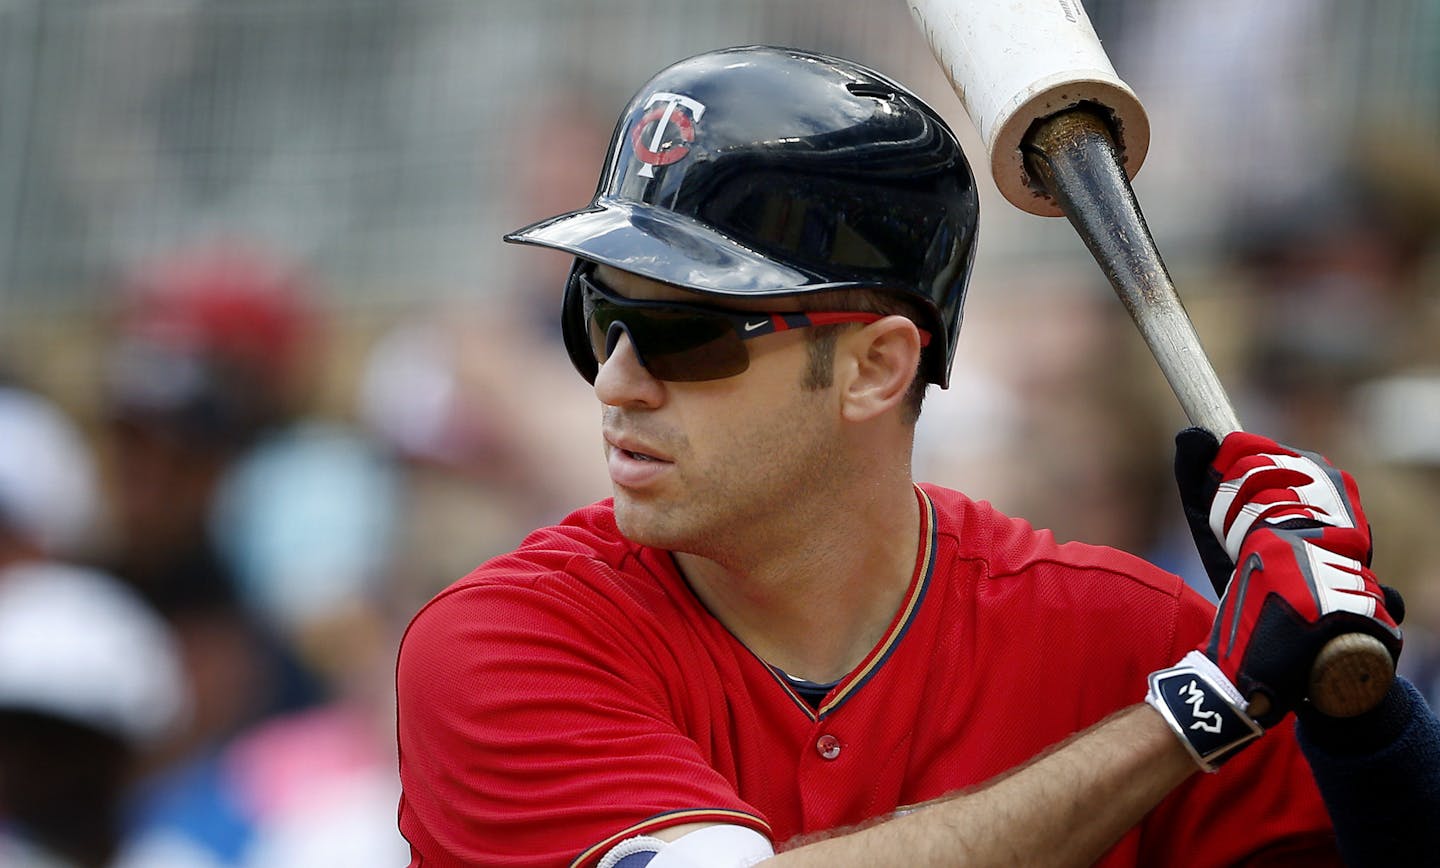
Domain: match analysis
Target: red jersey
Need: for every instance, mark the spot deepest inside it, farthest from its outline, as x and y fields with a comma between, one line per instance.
x=575, y=692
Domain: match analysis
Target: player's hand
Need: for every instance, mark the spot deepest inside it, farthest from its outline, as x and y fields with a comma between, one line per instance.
x=1285, y=542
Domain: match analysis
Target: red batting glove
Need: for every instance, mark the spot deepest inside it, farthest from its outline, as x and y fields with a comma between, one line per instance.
x=1294, y=526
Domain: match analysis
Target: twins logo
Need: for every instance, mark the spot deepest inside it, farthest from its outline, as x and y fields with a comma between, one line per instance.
x=664, y=133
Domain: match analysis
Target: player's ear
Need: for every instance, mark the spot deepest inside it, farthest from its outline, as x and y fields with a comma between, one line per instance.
x=875, y=365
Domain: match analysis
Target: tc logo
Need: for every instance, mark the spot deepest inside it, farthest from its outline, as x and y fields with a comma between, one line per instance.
x=664, y=133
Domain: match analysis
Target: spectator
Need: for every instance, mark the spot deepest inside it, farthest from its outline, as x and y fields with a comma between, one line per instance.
x=90, y=677
x=209, y=358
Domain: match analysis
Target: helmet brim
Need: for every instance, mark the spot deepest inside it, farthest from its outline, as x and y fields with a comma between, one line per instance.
x=672, y=248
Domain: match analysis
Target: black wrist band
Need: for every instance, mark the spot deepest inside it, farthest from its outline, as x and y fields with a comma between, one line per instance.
x=1203, y=708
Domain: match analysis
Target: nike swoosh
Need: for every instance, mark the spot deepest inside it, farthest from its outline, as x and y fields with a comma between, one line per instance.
x=752, y=326
x=1242, y=576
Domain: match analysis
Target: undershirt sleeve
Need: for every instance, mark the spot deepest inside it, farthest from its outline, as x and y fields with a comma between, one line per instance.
x=1379, y=774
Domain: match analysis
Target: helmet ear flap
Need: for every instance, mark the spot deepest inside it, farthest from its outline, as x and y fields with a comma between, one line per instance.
x=573, y=327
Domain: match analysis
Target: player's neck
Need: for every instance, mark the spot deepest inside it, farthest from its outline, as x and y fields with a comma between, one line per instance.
x=816, y=610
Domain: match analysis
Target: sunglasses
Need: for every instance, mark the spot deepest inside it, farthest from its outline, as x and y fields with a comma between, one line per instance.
x=688, y=343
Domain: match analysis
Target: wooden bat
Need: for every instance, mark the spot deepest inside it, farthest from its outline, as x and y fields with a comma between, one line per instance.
x=1065, y=135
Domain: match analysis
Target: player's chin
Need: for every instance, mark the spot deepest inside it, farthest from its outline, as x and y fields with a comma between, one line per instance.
x=646, y=521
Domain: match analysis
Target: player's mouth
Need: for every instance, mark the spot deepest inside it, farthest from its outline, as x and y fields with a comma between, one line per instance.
x=631, y=466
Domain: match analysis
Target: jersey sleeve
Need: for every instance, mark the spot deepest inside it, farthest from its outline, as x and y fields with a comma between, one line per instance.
x=537, y=725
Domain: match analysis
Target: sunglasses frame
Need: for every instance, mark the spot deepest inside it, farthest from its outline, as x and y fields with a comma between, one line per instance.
x=744, y=325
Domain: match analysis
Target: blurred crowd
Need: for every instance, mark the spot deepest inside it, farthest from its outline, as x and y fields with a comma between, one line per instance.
x=204, y=571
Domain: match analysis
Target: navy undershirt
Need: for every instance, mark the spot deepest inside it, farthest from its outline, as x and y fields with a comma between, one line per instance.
x=812, y=692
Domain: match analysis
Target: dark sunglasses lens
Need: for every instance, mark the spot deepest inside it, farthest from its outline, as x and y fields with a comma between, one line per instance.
x=704, y=348
x=678, y=346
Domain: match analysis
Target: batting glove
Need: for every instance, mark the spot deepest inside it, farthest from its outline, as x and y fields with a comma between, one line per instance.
x=1286, y=544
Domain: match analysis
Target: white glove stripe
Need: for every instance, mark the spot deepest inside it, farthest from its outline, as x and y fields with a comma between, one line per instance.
x=1219, y=509
x=1319, y=497
x=1321, y=491
x=1248, y=515
x=1338, y=582
x=1225, y=498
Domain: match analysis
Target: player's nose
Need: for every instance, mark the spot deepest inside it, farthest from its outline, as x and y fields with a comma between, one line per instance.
x=622, y=380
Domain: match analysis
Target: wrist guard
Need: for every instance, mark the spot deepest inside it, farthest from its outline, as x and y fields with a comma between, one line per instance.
x=1203, y=708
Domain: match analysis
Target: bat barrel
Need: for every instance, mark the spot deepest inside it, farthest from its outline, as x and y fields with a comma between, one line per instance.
x=1073, y=157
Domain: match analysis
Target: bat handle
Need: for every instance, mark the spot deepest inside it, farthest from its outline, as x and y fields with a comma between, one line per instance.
x=1072, y=157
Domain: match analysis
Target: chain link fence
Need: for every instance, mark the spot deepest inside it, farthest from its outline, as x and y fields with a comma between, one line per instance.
x=387, y=142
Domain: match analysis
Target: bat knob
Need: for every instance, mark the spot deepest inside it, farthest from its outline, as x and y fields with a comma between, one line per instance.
x=1350, y=675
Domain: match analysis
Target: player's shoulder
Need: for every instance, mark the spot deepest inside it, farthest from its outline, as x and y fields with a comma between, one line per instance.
x=1011, y=547
x=578, y=568
x=588, y=536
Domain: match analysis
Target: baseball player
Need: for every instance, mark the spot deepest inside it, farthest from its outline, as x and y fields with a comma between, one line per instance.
x=772, y=645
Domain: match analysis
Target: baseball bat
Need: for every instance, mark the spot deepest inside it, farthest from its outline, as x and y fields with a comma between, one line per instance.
x=1065, y=135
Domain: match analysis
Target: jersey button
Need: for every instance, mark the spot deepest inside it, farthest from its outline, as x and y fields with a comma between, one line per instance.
x=828, y=746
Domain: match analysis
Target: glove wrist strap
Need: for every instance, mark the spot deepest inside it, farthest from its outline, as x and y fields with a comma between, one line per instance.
x=1203, y=708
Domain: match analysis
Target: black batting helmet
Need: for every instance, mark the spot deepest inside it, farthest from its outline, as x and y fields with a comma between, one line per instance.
x=764, y=171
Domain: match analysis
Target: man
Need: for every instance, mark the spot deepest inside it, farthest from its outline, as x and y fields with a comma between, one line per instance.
x=773, y=639
x=90, y=677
